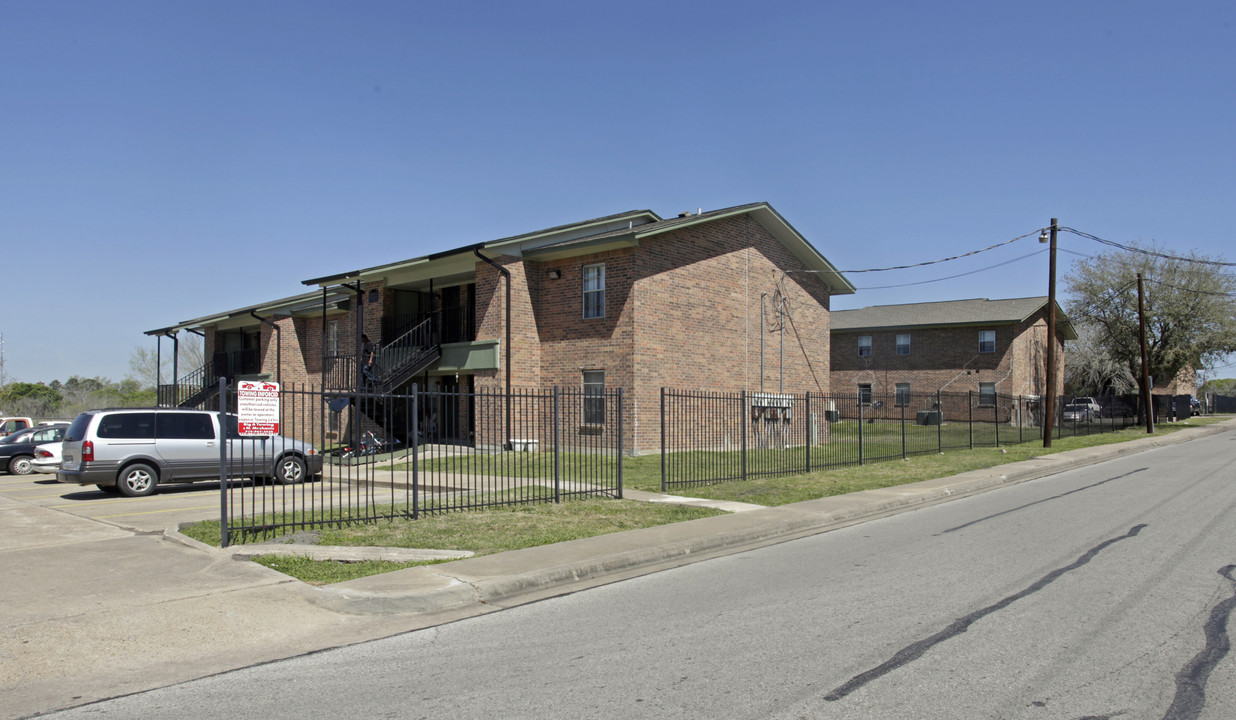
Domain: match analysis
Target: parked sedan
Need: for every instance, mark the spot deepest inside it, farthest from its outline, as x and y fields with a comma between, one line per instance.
x=46, y=458
x=1078, y=413
x=17, y=450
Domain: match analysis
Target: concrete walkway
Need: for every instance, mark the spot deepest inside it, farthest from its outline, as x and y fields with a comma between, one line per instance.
x=92, y=611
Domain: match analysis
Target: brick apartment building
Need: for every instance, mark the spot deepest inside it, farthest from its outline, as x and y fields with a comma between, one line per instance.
x=631, y=301
x=983, y=346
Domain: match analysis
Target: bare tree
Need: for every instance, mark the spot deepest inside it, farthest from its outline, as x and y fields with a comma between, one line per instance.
x=146, y=368
x=1091, y=369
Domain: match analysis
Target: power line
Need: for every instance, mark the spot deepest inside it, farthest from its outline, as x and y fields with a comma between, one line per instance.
x=1128, y=248
x=952, y=277
x=947, y=259
x=1190, y=290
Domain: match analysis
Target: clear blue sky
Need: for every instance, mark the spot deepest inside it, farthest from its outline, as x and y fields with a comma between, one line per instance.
x=160, y=161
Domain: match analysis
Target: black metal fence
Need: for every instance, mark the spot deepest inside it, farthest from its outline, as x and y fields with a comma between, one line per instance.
x=713, y=437
x=385, y=456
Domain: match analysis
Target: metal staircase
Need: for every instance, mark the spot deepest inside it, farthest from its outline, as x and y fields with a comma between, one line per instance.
x=399, y=360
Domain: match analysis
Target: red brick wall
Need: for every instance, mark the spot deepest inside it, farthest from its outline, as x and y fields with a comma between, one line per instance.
x=948, y=360
x=681, y=310
x=697, y=317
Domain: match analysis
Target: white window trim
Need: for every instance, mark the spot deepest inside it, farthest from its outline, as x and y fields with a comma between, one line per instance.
x=993, y=341
x=590, y=400
x=600, y=290
x=908, y=344
x=861, y=346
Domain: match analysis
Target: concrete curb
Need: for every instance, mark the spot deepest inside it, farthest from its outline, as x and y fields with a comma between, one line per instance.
x=519, y=576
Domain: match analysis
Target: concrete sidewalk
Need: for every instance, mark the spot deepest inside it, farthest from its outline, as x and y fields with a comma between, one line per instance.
x=92, y=611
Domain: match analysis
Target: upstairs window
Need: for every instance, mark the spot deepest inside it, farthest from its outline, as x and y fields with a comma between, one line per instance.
x=987, y=341
x=903, y=344
x=864, y=346
x=594, y=291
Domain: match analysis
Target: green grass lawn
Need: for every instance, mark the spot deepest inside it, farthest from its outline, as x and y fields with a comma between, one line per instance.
x=502, y=528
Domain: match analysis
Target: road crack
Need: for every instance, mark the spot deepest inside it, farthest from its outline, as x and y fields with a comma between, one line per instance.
x=915, y=650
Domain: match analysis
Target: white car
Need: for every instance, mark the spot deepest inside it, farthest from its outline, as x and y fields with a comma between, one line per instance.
x=1089, y=402
x=46, y=458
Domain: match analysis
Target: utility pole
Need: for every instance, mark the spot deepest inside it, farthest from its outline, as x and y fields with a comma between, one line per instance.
x=1049, y=402
x=1147, y=398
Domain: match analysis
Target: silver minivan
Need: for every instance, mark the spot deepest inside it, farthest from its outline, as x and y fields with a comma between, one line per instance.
x=133, y=450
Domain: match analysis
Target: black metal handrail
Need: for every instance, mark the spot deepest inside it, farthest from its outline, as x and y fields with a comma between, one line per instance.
x=191, y=390
x=407, y=354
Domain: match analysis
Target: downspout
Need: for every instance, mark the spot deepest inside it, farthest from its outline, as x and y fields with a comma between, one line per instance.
x=278, y=345
x=506, y=274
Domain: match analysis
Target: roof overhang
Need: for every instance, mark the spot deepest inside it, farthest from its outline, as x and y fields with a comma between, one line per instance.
x=295, y=306
x=1064, y=326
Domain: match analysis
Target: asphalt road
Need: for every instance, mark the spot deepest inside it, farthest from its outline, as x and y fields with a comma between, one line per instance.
x=1103, y=592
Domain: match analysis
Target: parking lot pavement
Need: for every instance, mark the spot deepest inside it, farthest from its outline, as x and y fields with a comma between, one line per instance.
x=169, y=506
x=98, y=603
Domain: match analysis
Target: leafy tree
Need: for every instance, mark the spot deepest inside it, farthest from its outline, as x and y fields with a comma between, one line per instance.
x=1190, y=306
x=30, y=399
x=1226, y=386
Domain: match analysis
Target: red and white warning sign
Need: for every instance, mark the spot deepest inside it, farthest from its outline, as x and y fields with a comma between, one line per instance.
x=257, y=407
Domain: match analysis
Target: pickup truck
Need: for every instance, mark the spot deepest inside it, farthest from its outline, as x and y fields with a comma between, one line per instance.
x=10, y=425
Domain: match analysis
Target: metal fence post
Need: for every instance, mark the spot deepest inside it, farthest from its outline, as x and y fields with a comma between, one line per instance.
x=618, y=459
x=1021, y=418
x=223, y=527
x=860, y=427
x=995, y=413
x=416, y=450
x=970, y=398
x=939, y=423
x=558, y=450
x=810, y=425
x=905, y=401
x=742, y=427
x=663, y=449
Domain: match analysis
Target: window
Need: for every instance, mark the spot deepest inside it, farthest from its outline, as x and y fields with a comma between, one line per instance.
x=184, y=426
x=864, y=393
x=594, y=397
x=864, y=346
x=903, y=344
x=987, y=394
x=594, y=290
x=332, y=339
x=903, y=394
x=127, y=426
x=46, y=436
x=987, y=341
